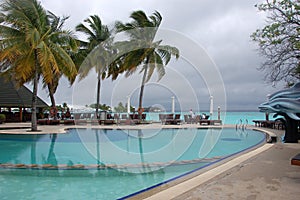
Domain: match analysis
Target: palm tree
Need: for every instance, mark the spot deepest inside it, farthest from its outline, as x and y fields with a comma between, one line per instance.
x=30, y=47
x=99, y=39
x=68, y=42
x=146, y=53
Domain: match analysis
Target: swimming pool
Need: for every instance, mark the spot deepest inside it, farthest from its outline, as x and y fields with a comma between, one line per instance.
x=110, y=163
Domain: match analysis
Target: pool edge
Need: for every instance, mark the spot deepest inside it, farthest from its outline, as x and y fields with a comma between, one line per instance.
x=187, y=185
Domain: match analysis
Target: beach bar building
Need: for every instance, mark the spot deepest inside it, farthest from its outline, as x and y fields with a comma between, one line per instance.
x=15, y=102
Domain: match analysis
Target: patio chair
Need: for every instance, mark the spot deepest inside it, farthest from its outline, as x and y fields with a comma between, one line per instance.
x=187, y=119
x=177, y=119
x=169, y=119
x=162, y=118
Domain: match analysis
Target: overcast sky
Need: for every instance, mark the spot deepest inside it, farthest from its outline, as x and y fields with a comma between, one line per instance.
x=216, y=31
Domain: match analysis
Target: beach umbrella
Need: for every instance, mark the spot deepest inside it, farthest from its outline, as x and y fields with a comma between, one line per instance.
x=211, y=110
x=173, y=104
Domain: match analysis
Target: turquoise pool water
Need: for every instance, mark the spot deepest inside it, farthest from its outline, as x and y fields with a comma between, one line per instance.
x=110, y=164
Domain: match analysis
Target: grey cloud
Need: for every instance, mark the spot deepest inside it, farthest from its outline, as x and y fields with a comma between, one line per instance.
x=222, y=28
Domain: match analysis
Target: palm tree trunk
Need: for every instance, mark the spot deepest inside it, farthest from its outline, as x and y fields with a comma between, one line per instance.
x=142, y=88
x=53, y=104
x=52, y=99
x=34, y=96
x=98, y=94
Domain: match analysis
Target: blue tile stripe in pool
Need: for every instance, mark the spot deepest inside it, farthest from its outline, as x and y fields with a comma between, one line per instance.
x=231, y=139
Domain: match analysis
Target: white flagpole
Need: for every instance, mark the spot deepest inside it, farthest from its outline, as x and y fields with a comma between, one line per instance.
x=128, y=104
x=211, y=110
x=173, y=104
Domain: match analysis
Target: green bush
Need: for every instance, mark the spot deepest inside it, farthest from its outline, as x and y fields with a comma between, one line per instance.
x=2, y=118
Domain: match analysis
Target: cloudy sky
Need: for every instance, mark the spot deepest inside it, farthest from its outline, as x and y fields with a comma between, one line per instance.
x=218, y=56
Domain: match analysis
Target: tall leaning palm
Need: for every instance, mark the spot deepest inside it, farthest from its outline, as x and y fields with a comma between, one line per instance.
x=29, y=50
x=98, y=36
x=147, y=54
x=67, y=41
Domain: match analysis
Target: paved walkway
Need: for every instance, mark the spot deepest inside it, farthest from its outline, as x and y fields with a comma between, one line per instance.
x=265, y=173
x=269, y=175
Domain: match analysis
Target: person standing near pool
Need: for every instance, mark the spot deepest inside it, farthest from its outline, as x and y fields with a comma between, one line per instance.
x=192, y=114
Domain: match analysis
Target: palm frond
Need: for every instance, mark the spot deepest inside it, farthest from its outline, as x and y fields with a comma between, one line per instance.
x=156, y=19
x=145, y=52
x=167, y=51
x=84, y=29
x=150, y=70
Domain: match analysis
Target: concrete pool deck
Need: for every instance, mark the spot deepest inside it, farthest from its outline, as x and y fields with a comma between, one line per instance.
x=263, y=173
x=267, y=175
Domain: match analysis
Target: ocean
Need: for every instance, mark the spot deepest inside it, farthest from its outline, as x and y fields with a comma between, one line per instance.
x=235, y=117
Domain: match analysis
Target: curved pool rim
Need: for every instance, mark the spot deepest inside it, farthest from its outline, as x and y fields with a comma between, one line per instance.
x=182, y=176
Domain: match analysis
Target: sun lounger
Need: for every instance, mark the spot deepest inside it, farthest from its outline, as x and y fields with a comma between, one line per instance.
x=124, y=122
x=170, y=119
x=94, y=121
x=205, y=121
x=136, y=119
x=48, y=122
x=177, y=119
x=296, y=160
x=210, y=122
x=54, y=122
x=80, y=121
x=69, y=122
x=264, y=123
x=162, y=118
x=216, y=122
x=124, y=116
x=192, y=120
x=108, y=122
x=187, y=119
x=43, y=122
x=77, y=116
